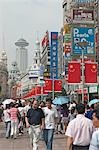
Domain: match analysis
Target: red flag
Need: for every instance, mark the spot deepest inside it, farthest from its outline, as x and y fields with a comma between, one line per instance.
x=43, y=41
x=38, y=90
x=74, y=72
x=57, y=85
x=33, y=92
x=44, y=91
x=91, y=72
x=48, y=85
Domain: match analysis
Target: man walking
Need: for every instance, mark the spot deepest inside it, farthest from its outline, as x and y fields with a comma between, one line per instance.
x=35, y=120
x=94, y=145
x=50, y=118
x=79, y=131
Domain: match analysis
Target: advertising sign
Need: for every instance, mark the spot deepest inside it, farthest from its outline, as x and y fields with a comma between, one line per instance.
x=83, y=16
x=81, y=34
x=67, y=38
x=84, y=1
x=93, y=89
x=33, y=73
x=54, y=55
x=67, y=47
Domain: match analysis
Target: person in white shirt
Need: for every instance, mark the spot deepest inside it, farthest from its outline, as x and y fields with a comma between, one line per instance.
x=94, y=144
x=79, y=131
x=51, y=115
x=7, y=120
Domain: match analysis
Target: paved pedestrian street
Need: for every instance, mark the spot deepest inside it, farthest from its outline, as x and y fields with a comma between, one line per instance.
x=22, y=142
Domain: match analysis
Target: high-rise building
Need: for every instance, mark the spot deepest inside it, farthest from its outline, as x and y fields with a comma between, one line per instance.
x=3, y=76
x=22, y=55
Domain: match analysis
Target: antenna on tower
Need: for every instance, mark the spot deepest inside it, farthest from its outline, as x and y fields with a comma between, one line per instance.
x=37, y=35
x=3, y=41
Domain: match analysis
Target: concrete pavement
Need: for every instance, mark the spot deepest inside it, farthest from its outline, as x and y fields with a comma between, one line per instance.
x=22, y=142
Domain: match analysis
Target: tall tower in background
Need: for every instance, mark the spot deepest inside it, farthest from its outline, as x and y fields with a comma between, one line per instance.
x=22, y=55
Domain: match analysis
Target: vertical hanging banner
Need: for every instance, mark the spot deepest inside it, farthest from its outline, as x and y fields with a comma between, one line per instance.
x=44, y=91
x=48, y=85
x=38, y=90
x=74, y=72
x=91, y=72
x=54, y=55
x=58, y=85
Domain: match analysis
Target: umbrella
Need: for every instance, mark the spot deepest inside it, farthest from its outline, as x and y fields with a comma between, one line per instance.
x=94, y=101
x=7, y=101
x=60, y=100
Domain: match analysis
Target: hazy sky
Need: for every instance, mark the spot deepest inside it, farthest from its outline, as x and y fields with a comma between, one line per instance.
x=23, y=18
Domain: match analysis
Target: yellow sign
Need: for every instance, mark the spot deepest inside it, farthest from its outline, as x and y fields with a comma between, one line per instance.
x=67, y=28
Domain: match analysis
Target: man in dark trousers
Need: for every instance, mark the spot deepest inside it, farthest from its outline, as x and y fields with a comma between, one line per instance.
x=35, y=121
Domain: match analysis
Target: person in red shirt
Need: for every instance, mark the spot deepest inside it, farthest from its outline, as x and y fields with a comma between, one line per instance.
x=14, y=120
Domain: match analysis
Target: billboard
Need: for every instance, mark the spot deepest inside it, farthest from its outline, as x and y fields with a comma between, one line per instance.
x=54, y=55
x=83, y=16
x=81, y=34
x=84, y=1
x=33, y=73
x=67, y=40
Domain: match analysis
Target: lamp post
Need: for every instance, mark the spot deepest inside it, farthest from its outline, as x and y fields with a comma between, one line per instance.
x=83, y=45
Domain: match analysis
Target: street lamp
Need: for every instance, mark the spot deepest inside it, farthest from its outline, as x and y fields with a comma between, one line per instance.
x=82, y=45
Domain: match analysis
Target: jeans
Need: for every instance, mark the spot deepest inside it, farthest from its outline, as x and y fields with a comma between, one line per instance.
x=34, y=132
x=8, y=128
x=48, y=138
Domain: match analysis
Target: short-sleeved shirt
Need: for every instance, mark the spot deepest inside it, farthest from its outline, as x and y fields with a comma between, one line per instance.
x=80, y=129
x=13, y=113
x=6, y=115
x=50, y=115
x=94, y=145
x=35, y=116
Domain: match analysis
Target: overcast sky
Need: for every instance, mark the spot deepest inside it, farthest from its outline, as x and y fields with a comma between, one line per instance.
x=23, y=18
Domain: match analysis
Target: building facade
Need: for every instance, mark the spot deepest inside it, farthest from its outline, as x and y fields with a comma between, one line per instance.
x=81, y=16
x=3, y=76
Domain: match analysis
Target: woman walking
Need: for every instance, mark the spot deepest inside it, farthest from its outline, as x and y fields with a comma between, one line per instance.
x=7, y=120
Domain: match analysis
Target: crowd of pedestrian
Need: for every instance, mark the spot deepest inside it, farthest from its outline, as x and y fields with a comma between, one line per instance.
x=79, y=122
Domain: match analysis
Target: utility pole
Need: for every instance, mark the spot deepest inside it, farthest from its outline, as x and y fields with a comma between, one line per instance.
x=83, y=45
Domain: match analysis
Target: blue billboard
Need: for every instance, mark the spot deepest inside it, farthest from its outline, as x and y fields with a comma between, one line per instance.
x=54, y=55
x=81, y=34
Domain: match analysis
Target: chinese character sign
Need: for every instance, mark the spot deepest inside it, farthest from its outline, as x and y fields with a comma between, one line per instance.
x=54, y=55
x=81, y=34
x=83, y=16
